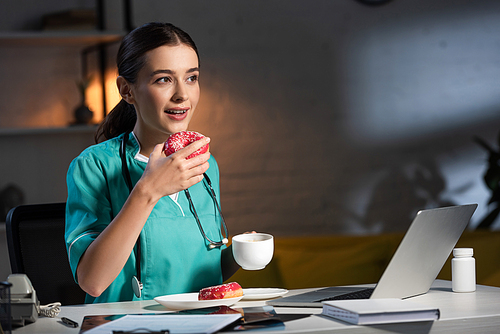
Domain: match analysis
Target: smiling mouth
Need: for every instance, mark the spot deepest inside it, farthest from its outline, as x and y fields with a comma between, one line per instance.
x=176, y=112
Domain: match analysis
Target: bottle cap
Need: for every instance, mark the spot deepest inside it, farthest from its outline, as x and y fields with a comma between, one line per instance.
x=462, y=252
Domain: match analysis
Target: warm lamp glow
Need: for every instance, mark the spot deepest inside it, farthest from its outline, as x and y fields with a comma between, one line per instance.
x=112, y=95
x=94, y=95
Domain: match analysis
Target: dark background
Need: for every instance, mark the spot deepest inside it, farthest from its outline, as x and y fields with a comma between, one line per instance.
x=326, y=117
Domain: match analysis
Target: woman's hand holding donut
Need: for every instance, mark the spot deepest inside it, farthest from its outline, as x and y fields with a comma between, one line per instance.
x=166, y=175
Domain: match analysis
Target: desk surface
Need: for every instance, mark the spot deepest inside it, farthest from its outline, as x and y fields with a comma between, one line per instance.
x=477, y=312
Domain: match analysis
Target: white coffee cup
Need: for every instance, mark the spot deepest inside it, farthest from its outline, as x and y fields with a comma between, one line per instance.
x=253, y=251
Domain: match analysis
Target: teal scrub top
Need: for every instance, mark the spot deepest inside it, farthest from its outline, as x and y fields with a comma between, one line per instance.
x=175, y=257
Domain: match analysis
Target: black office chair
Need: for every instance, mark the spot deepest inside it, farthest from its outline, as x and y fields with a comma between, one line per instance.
x=35, y=238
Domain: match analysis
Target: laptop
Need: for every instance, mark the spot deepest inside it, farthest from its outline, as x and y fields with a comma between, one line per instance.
x=414, y=266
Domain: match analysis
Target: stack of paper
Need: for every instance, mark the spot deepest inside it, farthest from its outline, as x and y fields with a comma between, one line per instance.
x=379, y=311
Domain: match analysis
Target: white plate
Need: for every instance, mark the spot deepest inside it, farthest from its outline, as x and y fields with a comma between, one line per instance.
x=186, y=301
x=263, y=293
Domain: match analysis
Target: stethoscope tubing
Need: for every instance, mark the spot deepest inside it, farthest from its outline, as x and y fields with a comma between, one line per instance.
x=212, y=244
x=136, y=280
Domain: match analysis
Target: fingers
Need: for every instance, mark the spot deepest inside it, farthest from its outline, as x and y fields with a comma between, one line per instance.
x=193, y=147
x=157, y=151
x=189, y=171
x=197, y=160
x=196, y=171
x=193, y=175
x=175, y=172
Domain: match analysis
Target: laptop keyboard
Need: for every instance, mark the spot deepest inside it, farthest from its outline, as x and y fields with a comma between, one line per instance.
x=360, y=294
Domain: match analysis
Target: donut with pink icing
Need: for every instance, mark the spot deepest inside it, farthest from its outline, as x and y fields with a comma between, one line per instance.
x=223, y=291
x=180, y=140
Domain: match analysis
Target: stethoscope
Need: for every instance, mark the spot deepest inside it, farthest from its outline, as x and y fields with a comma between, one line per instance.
x=136, y=280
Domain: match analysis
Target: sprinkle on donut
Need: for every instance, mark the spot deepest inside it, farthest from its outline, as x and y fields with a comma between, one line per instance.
x=180, y=140
x=223, y=291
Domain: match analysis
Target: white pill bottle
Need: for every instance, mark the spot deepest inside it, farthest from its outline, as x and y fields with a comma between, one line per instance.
x=463, y=270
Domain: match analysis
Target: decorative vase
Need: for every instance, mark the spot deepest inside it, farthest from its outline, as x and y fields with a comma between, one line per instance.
x=83, y=114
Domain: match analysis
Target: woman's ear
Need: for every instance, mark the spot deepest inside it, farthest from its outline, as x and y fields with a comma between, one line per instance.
x=125, y=89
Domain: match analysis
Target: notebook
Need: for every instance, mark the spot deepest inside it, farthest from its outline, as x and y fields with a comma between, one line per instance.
x=414, y=266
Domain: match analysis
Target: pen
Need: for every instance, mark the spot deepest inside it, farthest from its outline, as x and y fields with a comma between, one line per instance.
x=69, y=322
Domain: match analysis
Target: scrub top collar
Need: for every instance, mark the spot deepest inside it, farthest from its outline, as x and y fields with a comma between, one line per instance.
x=137, y=146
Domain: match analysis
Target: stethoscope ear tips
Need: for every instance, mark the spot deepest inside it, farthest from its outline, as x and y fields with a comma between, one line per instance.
x=225, y=241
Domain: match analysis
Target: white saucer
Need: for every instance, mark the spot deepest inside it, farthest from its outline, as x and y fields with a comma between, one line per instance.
x=263, y=293
x=186, y=301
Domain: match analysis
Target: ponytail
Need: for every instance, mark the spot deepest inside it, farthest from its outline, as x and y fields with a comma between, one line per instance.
x=121, y=119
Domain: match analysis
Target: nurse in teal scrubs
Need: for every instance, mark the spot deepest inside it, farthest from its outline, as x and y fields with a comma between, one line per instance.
x=107, y=221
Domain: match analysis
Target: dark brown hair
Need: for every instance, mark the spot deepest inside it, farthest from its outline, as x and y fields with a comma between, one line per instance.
x=130, y=59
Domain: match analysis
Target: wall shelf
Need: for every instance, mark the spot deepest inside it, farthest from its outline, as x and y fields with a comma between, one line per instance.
x=87, y=41
x=59, y=38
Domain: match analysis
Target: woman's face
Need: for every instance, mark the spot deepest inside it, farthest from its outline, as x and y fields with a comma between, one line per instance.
x=166, y=91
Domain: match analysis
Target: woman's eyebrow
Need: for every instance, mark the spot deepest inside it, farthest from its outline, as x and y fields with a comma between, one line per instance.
x=191, y=70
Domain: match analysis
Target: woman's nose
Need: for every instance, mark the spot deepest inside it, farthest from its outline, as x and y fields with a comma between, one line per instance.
x=180, y=94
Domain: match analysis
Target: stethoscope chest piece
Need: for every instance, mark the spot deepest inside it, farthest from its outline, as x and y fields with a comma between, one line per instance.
x=136, y=286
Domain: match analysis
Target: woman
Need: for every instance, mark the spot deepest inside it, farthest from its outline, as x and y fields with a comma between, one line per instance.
x=158, y=67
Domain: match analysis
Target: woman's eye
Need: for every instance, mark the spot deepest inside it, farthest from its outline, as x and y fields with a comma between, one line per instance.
x=163, y=80
x=193, y=78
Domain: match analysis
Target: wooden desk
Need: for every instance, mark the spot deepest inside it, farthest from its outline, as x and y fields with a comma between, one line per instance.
x=477, y=312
